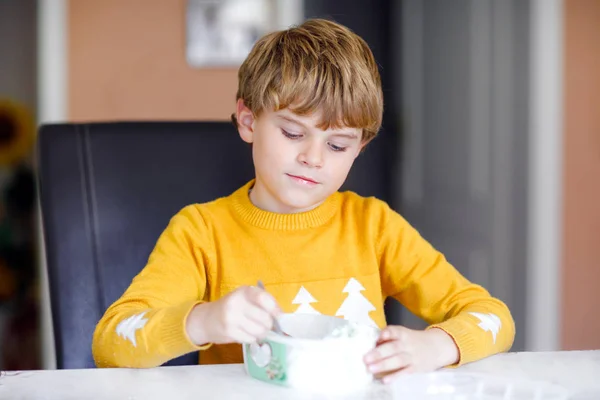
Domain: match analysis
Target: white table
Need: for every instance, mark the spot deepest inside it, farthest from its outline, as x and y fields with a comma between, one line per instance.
x=578, y=371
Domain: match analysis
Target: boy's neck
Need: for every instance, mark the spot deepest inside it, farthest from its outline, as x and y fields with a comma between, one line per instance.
x=259, y=200
x=264, y=219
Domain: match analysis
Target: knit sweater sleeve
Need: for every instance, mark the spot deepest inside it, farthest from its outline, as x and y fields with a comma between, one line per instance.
x=145, y=327
x=420, y=277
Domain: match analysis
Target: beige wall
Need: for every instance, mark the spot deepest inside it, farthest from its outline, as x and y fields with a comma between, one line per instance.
x=581, y=265
x=127, y=61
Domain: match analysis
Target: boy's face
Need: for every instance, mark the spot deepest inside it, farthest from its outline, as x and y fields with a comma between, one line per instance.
x=297, y=164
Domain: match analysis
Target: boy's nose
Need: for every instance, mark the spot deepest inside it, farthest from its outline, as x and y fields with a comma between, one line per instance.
x=312, y=156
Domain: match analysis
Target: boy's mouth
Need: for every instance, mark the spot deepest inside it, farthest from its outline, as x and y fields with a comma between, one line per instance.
x=303, y=179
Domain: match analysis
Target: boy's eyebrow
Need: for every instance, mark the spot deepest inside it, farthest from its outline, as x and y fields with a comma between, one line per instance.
x=298, y=122
x=346, y=135
x=292, y=120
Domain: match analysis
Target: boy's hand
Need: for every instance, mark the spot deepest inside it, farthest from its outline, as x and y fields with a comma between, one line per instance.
x=243, y=316
x=401, y=350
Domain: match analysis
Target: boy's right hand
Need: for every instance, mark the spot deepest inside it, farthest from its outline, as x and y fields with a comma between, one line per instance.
x=243, y=316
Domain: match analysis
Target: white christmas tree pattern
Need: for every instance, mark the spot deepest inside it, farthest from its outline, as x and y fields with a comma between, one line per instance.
x=304, y=298
x=356, y=307
x=129, y=326
x=489, y=322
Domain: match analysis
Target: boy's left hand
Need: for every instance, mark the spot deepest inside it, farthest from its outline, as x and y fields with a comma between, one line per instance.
x=401, y=350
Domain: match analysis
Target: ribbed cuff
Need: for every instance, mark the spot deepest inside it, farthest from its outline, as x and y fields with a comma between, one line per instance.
x=461, y=331
x=172, y=332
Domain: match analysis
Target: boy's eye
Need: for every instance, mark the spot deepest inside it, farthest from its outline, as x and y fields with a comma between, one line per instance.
x=290, y=135
x=336, y=148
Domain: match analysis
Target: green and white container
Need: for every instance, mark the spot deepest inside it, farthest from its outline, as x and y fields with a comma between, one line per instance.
x=323, y=353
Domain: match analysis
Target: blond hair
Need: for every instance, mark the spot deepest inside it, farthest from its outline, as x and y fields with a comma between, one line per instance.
x=319, y=66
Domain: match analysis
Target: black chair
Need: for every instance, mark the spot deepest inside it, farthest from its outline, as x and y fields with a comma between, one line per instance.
x=108, y=190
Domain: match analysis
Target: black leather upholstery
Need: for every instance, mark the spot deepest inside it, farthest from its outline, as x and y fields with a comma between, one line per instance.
x=107, y=191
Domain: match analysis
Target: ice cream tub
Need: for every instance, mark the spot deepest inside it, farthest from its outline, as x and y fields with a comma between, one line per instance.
x=322, y=353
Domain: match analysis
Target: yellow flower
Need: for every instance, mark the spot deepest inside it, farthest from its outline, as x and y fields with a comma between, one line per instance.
x=17, y=132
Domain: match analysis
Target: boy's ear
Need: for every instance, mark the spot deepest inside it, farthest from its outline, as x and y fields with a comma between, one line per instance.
x=245, y=121
x=361, y=147
x=360, y=150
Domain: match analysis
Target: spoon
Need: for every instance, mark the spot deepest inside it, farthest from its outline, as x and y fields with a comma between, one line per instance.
x=276, y=327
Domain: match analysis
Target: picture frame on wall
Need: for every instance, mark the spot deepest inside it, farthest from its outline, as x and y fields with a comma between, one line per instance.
x=221, y=33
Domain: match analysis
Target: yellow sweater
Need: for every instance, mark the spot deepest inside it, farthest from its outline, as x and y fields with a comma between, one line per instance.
x=342, y=259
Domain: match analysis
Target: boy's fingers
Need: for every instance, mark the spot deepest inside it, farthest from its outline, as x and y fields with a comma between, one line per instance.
x=393, y=376
x=252, y=328
x=268, y=303
x=393, y=333
x=241, y=336
x=259, y=316
x=393, y=363
x=264, y=300
x=383, y=351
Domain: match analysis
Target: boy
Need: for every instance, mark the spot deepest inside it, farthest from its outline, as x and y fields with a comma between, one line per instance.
x=309, y=100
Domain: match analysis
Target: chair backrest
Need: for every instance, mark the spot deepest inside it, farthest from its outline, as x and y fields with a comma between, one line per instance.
x=107, y=191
